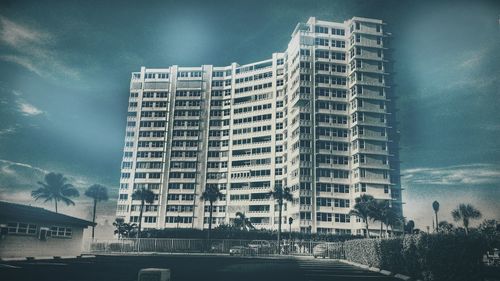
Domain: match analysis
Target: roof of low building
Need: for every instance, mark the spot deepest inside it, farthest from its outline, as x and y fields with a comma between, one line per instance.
x=24, y=213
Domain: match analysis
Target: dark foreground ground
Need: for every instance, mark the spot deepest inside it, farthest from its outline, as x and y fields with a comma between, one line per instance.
x=186, y=268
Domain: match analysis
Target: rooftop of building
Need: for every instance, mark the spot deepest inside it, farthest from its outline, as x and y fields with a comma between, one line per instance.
x=25, y=213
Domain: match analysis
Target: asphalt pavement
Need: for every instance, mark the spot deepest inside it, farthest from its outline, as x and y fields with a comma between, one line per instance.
x=187, y=268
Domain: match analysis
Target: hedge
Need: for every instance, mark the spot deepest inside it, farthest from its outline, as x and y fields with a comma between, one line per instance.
x=430, y=257
x=234, y=233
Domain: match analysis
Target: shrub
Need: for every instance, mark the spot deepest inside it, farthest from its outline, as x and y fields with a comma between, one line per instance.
x=380, y=253
x=432, y=257
x=449, y=256
x=228, y=232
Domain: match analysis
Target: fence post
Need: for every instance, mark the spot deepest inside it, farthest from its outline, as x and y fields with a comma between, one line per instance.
x=155, y=245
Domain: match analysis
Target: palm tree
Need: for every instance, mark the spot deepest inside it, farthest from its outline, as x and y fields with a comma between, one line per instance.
x=394, y=220
x=379, y=211
x=123, y=229
x=55, y=188
x=363, y=210
x=242, y=222
x=435, y=206
x=98, y=193
x=146, y=196
x=465, y=213
x=410, y=226
x=280, y=194
x=211, y=194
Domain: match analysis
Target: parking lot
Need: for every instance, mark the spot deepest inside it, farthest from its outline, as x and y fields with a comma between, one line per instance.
x=186, y=268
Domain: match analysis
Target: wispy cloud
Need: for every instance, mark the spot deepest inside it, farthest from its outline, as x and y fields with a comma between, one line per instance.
x=469, y=175
x=29, y=109
x=473, y=59
x=24, y=107
x=34, y=49
x=8, y=130
x=17, y=35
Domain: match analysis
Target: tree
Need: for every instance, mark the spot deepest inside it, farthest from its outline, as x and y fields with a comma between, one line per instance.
x=211, y=194
x=55, y=188
x=146, y=196
x=465, y=213
x=395, y=220
x=445, y=226
x=242, y=222
x=98, y=193
x=123, y=229
x=280, y=194
x=363, y=210
x=435, y=207
x=410, y=227
x=379, y=211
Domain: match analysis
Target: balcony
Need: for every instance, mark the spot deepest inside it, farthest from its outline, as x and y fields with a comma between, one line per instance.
x=300, y=99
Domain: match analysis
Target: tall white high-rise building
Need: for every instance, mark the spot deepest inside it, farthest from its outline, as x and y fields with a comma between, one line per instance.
x=317, y=118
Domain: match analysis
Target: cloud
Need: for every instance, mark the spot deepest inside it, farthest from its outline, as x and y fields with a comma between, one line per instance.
x=473, y=59
x=8, y=130
x=491, y=127
x=28, y=109
x=469, y=175
x=17, y=35
x=35, y=50
x=23, y=106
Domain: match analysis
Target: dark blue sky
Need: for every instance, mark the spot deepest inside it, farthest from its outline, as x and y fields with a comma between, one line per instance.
x=65, y=68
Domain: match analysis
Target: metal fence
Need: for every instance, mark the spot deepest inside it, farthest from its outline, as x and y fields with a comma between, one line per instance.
x=318, y=249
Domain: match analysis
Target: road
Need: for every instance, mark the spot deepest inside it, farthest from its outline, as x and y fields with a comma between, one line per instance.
x=187, y=268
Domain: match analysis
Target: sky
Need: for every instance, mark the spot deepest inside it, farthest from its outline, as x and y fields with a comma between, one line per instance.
x=65, y=69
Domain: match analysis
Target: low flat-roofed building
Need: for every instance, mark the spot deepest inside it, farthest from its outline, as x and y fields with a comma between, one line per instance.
x=27, y=231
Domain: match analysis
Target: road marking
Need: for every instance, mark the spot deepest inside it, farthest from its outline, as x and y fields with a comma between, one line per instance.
x=47, y=263
x=347, y=275
x=8, y=266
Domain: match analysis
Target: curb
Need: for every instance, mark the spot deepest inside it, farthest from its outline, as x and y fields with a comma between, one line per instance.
x=381, y=271
x=13, y=259
x=46, y=258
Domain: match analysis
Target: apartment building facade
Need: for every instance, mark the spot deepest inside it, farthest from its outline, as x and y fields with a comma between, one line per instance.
x=318, y=118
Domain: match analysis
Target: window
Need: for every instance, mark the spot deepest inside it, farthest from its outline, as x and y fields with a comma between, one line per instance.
x=342, y=218
x=321, y=29
x=336, y=31
x=150, y=219
x=61, y=232
x=21, y=228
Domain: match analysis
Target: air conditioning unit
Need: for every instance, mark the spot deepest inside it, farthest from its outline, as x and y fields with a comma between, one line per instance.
x=154, y=274
x=43, y=233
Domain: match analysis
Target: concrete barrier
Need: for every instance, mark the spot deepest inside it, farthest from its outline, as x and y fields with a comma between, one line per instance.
x=156, y=274
x=402, y=277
